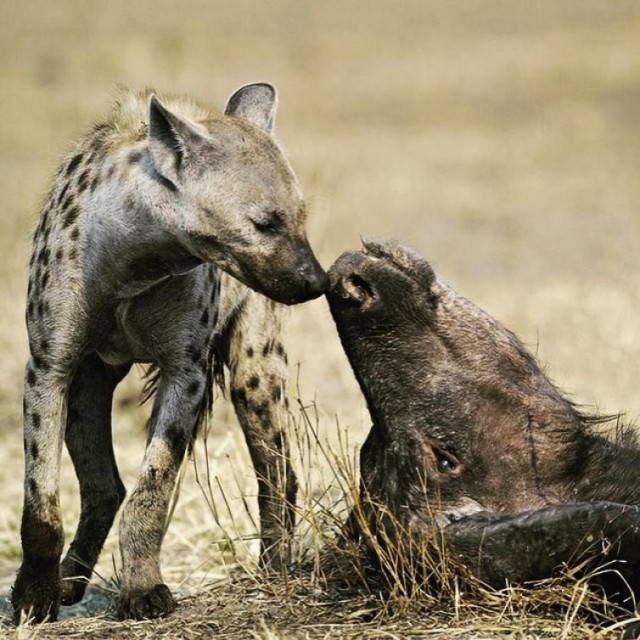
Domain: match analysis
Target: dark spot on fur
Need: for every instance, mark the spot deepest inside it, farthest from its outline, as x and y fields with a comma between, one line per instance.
x=73, y=254
x=253, y=382
x=30, y=305
x=39, y=363
x=45, y=279
x=238, y=395
x=193, y=388
x=67, y=202
x=75, y=161
x=280, y=349
x=95, y=182
x=134, y=156
x=34, y=451
x=59, y=254
x=262, y=409
x=35, y=420
x=33, y=488
x=44, y=345
x=177, y=439
x=204, y=318
x=194, y=352
x=43, y=256
x=75, y=234
x=276, y=393
x=83, y=181
x=40, y=309
x=277, y=441
x=62, y=194
x=98, y=131
x=266, y=350
x=249, y=352
x=32, y=378
x=71, y=216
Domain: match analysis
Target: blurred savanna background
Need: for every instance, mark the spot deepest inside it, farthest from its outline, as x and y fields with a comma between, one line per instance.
x=501, y=139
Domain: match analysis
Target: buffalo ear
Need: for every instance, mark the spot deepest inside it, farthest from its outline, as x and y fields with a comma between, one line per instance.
x=171, y=140
x=256, y=103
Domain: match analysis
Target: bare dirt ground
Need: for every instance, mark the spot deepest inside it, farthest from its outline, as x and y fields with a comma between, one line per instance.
x=499, y=139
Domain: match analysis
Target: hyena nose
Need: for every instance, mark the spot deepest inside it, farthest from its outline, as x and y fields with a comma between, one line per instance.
x=316, y=282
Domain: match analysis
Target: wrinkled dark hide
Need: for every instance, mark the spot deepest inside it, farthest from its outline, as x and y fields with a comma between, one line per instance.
x=469, y=435
x=532, y=545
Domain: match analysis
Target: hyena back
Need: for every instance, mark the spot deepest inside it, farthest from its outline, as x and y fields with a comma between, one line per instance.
x=142, y=216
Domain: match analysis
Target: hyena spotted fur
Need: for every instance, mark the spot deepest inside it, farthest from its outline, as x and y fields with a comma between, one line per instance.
x=167, y=235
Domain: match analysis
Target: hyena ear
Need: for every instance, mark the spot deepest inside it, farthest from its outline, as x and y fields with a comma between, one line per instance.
x=256, y=102
x=171, y=138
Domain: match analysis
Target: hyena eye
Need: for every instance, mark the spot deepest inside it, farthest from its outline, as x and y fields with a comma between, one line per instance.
x=268, y=221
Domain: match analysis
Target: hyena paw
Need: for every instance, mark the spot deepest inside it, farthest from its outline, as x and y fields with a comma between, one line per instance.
x=75, y=578
x=153, y=603
x=36, y=595
x=72, y=590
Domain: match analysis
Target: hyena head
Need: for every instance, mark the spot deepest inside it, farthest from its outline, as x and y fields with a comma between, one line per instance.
x=236, y=201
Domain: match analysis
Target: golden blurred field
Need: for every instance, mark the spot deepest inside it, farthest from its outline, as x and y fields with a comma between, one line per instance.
x=501, y=139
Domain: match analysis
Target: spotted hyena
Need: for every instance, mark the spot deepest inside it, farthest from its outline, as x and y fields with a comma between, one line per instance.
x=144, y=217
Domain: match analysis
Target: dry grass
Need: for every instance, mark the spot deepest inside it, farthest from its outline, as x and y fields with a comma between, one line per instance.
x=335, y=591
x=500, y=139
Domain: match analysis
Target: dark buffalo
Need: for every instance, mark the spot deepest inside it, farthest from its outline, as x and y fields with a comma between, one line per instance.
x=469, y=436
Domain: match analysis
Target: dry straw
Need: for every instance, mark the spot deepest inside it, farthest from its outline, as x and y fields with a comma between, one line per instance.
x=384, y=582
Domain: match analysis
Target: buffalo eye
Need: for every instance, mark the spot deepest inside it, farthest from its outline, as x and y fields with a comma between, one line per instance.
x=446, y=462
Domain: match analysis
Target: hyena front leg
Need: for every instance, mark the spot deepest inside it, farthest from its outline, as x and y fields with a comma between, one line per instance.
x=142, y=524
x=258, y=365
x=88, y=439
x=36, y=592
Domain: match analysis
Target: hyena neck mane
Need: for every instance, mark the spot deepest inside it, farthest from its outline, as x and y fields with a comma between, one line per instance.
x=127, y=124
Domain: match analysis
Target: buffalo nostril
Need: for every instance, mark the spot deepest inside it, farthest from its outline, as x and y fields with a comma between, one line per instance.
x=355, y=290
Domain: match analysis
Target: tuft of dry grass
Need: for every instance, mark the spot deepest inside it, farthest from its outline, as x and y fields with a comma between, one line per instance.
x=415, y=588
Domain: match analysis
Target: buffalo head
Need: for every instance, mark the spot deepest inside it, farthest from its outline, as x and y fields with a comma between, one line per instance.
x=469, y=436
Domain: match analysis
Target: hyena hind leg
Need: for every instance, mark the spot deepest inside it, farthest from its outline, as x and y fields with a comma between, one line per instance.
x=258, y=365
x=89, y=441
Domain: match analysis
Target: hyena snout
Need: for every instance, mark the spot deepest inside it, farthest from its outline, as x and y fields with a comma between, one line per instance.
x=293, y=277
x=314, y=279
